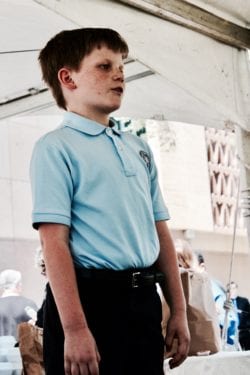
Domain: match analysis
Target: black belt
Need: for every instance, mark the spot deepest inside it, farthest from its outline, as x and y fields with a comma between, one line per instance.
x=135, y=278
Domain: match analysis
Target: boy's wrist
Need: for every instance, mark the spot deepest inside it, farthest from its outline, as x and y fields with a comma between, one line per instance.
x=74, y=327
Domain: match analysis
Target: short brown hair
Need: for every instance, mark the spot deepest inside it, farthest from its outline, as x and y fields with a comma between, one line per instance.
x=69, y=47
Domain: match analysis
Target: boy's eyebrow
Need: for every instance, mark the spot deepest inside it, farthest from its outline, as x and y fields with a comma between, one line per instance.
x=102, y=60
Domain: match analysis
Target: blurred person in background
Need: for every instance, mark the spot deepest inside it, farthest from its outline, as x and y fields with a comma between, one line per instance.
x=238, y=318
x=185, y=255
x=14, y=307
x=201, y=307
x=39, y=263
x=217, y=287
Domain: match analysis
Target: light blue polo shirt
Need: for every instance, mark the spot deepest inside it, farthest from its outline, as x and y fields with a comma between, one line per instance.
x=102, y=183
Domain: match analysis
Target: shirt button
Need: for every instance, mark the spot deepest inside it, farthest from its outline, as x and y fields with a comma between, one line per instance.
x=109, y=131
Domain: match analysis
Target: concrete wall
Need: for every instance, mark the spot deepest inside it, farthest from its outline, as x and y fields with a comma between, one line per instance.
x=185, y=180
x=17, y=138
x=19, y=254
x=18, y=240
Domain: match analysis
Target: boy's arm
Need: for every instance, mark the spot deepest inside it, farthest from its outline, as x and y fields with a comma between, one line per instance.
x=177, y=327
x=78, y=358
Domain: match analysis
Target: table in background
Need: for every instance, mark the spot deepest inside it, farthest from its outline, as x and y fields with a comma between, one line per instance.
x=10, y=358
x=9, y=368
x=222, y=363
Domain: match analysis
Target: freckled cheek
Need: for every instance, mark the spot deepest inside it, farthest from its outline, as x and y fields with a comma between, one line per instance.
x=99, y=88
x=98, y=84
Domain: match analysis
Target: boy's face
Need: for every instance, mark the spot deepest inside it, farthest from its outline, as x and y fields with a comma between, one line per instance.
x=99, y=84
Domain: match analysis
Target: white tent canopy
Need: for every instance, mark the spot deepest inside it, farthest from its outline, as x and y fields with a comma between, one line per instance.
x=195, y=79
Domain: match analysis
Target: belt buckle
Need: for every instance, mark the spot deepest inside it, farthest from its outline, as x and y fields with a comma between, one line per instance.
x=135, y=279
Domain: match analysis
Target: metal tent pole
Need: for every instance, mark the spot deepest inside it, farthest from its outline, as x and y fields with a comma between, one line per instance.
x=228, y=304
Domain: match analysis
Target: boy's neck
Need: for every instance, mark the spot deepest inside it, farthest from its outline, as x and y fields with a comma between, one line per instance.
x=102, y=119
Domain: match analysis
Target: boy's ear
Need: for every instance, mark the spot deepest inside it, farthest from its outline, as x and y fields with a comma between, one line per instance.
x=64, y=77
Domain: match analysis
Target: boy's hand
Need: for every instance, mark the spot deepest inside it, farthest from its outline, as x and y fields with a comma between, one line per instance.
x=177, y=339
x=228, y=305
x=81, y=356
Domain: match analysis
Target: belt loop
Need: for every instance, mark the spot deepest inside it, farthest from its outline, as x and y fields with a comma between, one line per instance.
x=135, y=279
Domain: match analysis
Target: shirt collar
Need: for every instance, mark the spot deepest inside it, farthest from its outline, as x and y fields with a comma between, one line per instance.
x=85, y=125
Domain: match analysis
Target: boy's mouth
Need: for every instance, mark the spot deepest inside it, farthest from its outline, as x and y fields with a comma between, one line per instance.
x=118, y=90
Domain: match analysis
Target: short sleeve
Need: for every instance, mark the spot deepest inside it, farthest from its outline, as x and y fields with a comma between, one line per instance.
x=51, y=184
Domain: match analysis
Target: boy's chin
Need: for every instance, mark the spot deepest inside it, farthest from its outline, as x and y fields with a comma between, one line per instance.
x=113, y=107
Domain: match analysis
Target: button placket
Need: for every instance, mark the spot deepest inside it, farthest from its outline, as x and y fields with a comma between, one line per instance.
x=126, y=163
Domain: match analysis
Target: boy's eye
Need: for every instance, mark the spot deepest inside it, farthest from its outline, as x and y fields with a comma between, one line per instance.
x=105, y=66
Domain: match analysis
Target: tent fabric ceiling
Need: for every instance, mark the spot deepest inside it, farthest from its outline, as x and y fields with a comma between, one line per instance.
x=196, y=80
x=237, y=11
x=25, y=27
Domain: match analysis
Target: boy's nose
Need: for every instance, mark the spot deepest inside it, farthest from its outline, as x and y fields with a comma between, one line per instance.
x=118, y=75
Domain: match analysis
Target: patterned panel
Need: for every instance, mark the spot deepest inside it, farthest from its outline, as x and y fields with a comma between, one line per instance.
x=224, y=173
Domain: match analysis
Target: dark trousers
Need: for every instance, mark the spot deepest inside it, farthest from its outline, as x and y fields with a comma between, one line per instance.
x=125, y=322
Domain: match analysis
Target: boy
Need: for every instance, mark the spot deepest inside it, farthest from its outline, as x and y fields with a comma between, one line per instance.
x=101, y=220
